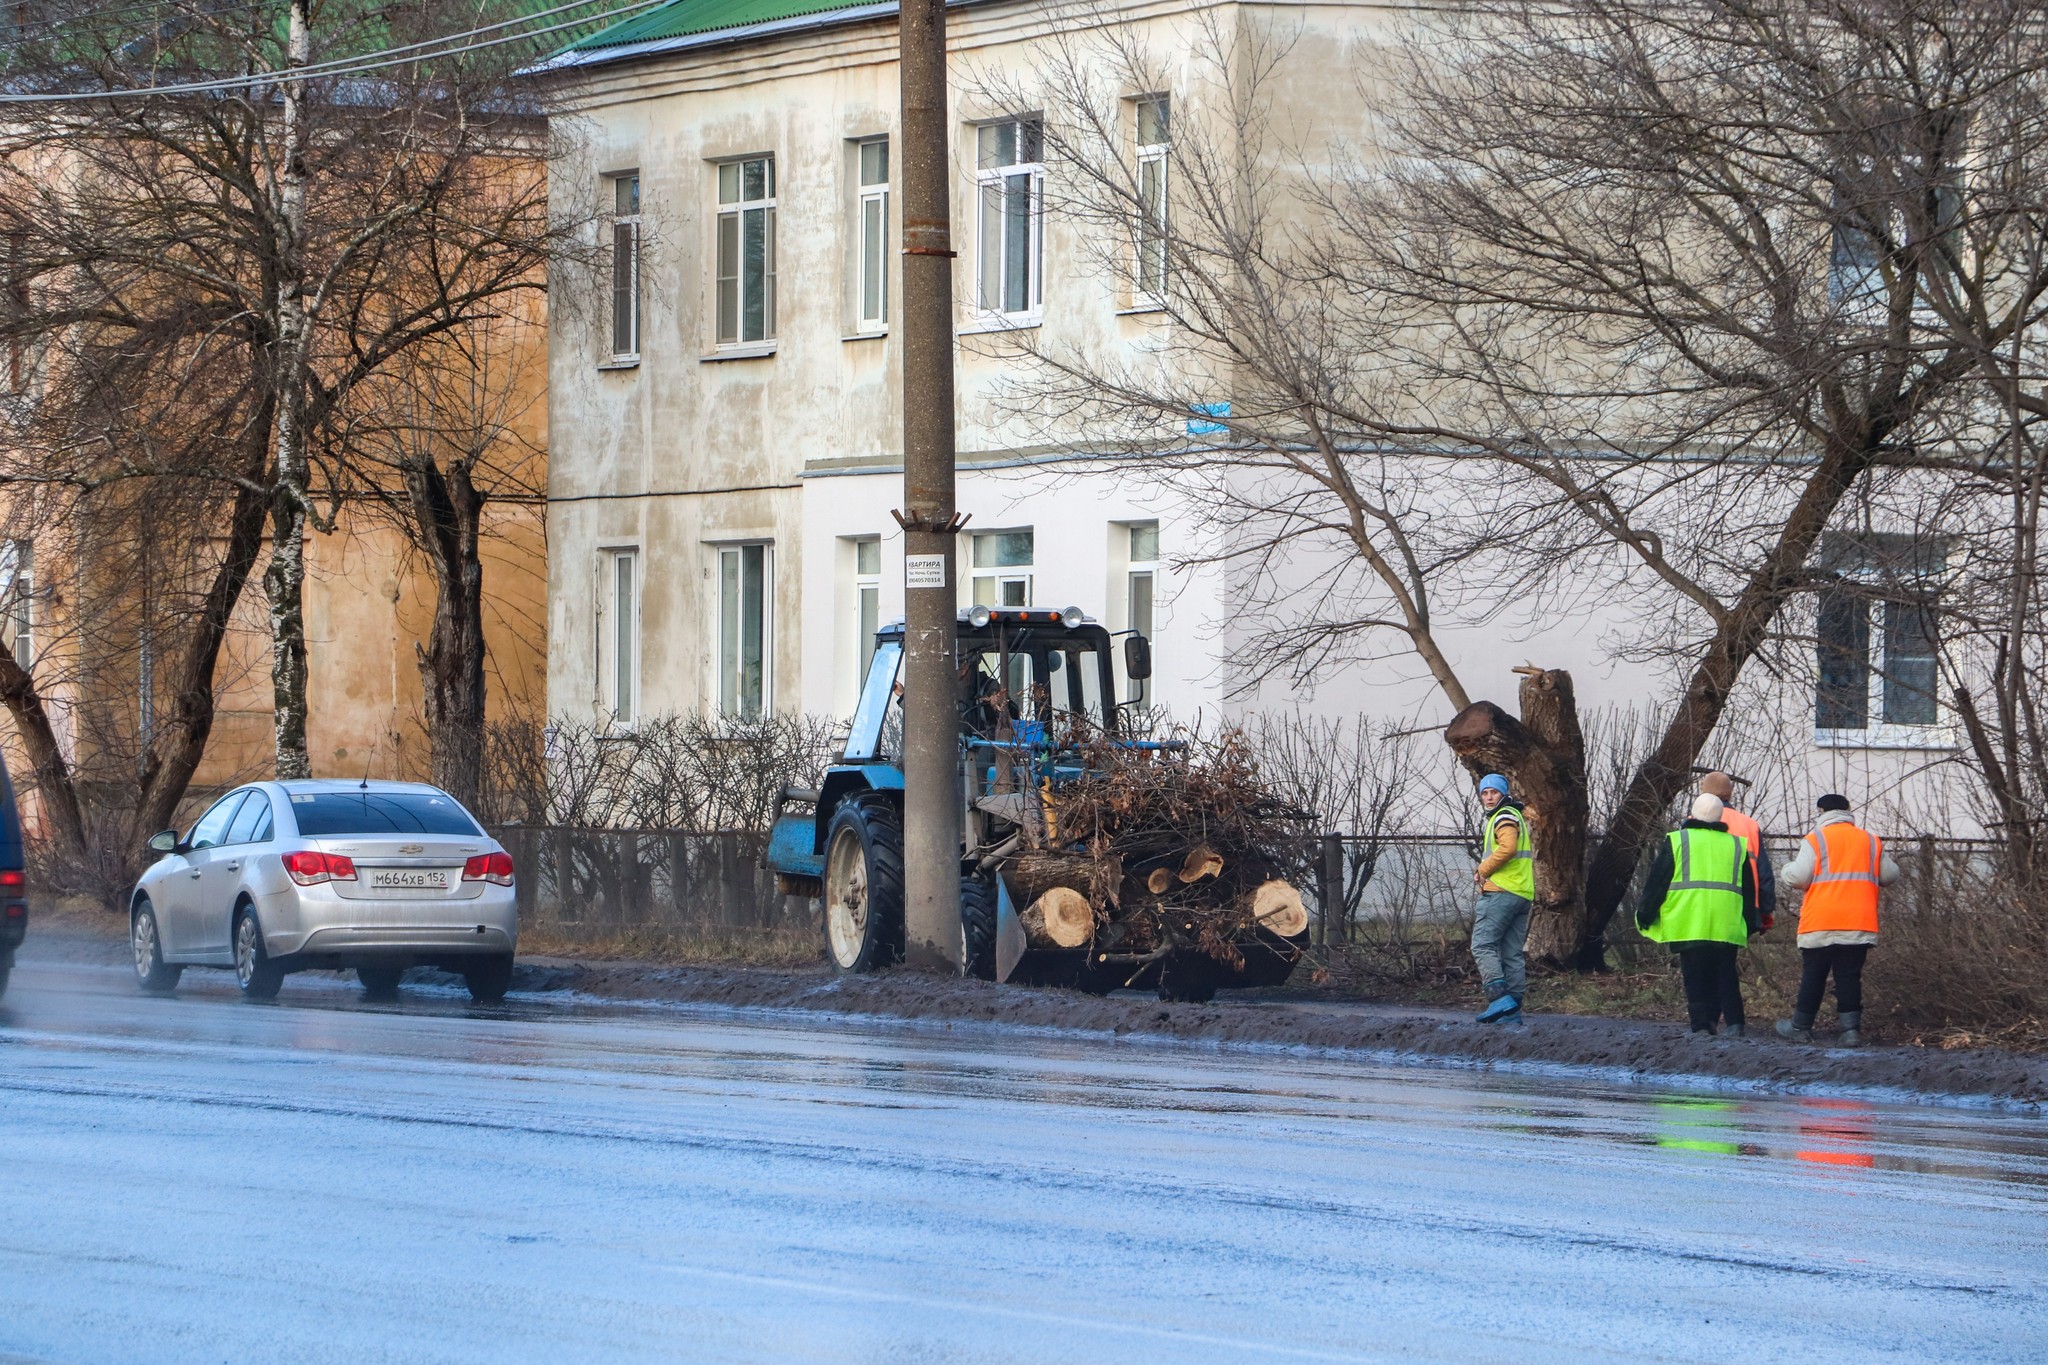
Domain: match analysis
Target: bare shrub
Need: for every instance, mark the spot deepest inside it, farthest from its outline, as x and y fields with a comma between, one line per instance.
x=696, y=773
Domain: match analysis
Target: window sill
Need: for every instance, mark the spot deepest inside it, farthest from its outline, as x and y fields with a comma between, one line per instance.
x=620, y=362
x=1140, y=309
x=1919, y=738
x=760, y=352
x=989, y=326
x=882, y=335
x=618, y=732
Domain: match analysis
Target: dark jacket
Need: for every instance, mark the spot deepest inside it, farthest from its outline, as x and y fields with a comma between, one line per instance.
x=1657, y=885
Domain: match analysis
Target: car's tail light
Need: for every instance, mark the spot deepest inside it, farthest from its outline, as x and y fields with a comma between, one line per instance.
x=495, y=868
x=13, y=882
x=310, y=867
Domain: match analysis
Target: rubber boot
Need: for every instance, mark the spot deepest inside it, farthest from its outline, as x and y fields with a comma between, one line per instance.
x=1852, y=1028
x=1799, y=1028
x=1733, y=1031
x=1500, y=1005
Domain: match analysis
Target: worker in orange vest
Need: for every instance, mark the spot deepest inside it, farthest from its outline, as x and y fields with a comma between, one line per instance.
x=1840, y=868
x=1719, y=784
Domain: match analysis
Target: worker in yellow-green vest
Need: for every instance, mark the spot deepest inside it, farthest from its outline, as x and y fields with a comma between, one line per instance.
x=1506, y=879
x=1700, y=900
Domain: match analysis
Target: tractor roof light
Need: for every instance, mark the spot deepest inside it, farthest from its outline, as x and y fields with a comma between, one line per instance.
x=978, y=616
x=1072, y=618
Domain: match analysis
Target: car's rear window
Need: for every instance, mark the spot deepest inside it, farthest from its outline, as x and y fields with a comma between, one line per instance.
x=374, y=812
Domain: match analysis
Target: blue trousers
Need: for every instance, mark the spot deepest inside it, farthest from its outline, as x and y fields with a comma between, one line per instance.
x=1500, y=925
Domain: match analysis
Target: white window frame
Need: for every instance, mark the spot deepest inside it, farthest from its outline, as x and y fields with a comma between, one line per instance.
x=867, y=590
x=1148, y=276
x=18, y=601
x=625, y=265
x=871, y=204
x=990, y=178
x=997, y=576
x=728, y=670
x=734, y=211
x=617, y=654
x=1877, y=732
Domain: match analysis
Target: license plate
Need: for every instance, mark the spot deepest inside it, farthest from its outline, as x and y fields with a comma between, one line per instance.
x=407, y=879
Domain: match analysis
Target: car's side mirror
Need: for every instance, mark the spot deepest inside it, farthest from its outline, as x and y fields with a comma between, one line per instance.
x=165, y=842
x=1137, y=658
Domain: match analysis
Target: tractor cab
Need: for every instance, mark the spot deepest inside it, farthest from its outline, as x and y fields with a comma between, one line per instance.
x=1022, y=675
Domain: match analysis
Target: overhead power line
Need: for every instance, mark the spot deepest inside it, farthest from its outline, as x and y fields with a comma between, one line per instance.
x=446, y=45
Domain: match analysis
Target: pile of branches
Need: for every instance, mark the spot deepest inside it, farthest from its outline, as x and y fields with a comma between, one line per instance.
x=1177, y=847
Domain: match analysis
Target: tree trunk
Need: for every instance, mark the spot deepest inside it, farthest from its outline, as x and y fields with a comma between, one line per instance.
x=1640, y=814
x=54, y=788
x=284, y=581
x=1544, y=754
x=448, y=512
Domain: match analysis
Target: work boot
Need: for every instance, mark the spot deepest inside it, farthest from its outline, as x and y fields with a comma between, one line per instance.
x=1852, y=1028
x=1500, y=1005
x=1799, y=1028
x=1733, y=1031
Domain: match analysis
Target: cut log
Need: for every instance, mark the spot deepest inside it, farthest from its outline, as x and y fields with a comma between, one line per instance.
x=1159, y=880
x=1277, y=906
x=1061, y=918
x=1202, y=861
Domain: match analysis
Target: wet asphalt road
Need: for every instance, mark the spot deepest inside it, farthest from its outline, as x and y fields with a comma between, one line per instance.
x=324, y=1179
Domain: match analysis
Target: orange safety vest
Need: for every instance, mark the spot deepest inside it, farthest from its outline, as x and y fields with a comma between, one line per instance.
x=1745, y=829
x=1843, y=892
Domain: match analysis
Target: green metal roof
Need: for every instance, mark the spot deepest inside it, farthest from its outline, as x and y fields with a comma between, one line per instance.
x=685, y=18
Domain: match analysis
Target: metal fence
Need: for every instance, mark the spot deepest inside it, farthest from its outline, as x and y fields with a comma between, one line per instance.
x=588, y=883
x=591, y=883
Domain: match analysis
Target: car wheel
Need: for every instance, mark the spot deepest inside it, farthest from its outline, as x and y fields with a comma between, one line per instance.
x=489, y=978
x=978, y=927
x=864, y=884
x=259, y=976
x=152, y=973
x=379, y=983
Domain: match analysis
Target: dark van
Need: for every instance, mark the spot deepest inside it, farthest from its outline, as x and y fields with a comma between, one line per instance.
x=13, y=880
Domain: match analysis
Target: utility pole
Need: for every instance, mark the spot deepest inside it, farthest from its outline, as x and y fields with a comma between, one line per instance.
x=931, y=724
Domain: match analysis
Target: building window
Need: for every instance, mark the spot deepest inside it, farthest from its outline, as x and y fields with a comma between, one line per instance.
x=618, y=653
x=626, y=266
x=1879, y=651
x=867, y=598
x=1002, y=568
x=743, y=631
x=1152, y=143
x=746, y=251
x=1142, y=581
x=17, y=301
x=1010, y=178
x=18, y=601
x=871, y=284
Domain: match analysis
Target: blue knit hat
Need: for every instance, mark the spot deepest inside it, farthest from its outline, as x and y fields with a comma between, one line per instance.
x=1494, y=782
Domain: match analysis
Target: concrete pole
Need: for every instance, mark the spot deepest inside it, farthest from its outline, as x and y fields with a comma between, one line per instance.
x=931, y=724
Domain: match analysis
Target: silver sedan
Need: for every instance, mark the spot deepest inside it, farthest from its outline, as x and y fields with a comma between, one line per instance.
x=280, y=877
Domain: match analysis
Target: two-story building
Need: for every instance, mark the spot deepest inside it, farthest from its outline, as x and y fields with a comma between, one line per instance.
x=725, y=426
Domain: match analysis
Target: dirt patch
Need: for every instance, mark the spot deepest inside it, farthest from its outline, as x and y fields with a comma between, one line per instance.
x=1631, y=1046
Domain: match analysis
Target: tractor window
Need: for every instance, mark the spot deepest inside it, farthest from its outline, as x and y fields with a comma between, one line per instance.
x=1077, y=684
x=988, y=698
x=876, y=696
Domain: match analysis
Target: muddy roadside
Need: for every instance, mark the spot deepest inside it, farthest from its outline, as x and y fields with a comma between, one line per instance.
x=1618, y=1048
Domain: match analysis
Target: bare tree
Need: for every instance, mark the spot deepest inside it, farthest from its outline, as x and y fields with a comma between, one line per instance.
x=1605, y=303
x=207, y=281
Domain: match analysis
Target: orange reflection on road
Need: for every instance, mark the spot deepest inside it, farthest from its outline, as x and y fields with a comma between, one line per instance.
x=1839, y=1125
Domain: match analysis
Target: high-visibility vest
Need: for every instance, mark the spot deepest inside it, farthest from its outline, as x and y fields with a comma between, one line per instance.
x=1518, y=873
x=1745, y=829
x=1843, y=892
x=1704, y=904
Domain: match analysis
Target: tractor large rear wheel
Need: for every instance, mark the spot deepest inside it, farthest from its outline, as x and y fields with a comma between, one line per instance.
x=864, y=884
x=978, y=927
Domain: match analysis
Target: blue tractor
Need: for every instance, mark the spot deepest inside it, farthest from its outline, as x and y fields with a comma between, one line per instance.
x=1036, y=689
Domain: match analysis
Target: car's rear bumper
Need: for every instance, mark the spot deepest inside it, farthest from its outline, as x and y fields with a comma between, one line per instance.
x=333, y=949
